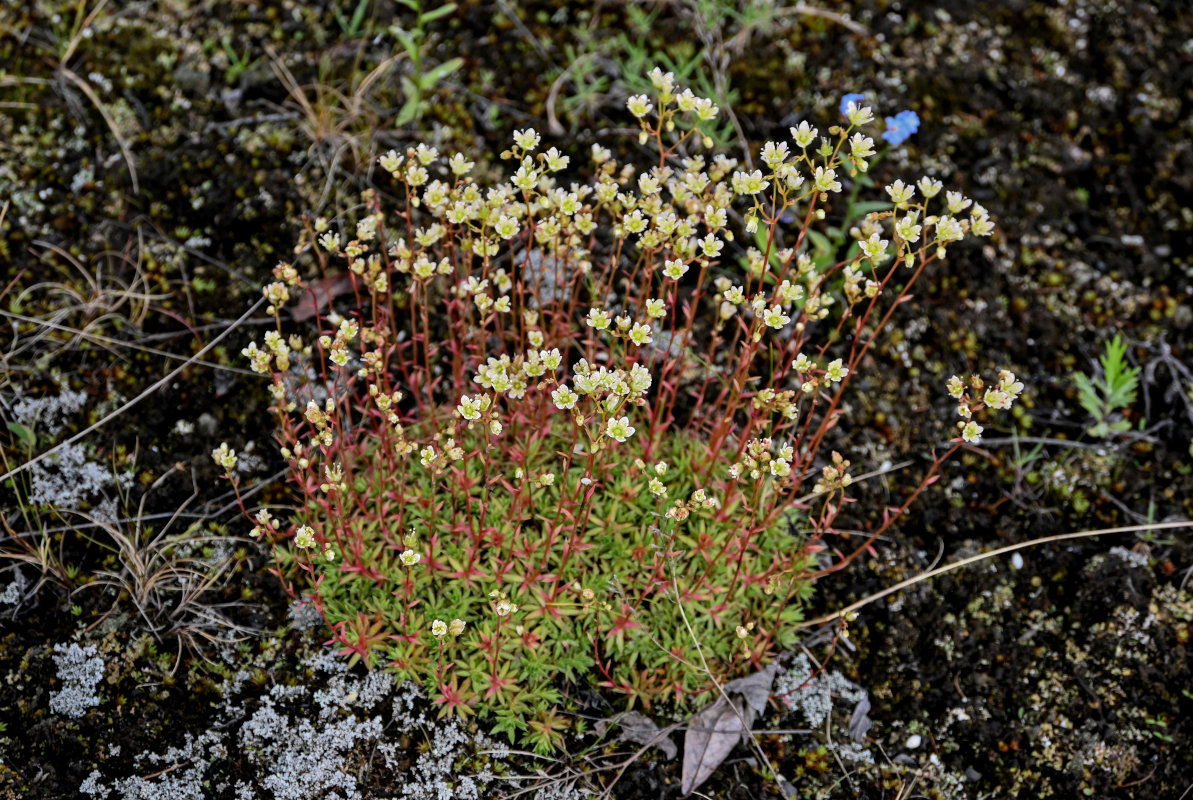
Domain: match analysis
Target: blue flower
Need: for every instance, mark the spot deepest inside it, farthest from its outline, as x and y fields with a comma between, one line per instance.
x=850, y=98
x=900, y=126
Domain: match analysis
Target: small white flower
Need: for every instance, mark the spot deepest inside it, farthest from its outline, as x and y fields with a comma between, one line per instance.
x=619, y=429
x=836, y=370
x=826, y=180
x=460, y=166
x=804, y=135
x=930, y=187
x=900, y=193
x=639, y=105
x=674, y=269
x=224, y=456
x=527, y=139
x=640, y=334
x=598, y=319
x=564, y=398
x=304, y=537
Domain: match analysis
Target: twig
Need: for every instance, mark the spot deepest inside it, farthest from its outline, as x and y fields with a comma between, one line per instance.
x=981, y=556
x=832, y=16
x=101, y=339
x=198, y=356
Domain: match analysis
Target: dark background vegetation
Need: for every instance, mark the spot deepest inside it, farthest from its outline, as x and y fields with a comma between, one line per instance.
x=1071, y=122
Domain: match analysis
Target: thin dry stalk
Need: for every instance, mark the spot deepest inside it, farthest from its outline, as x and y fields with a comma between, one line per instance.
x=930, y=574
x=132, y=403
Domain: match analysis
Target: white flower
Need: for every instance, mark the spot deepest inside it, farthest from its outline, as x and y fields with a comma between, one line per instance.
x=640, y=334
x=639, y=105
x=619, y=428
x=225, y=456
x=663, y=81
x=748, y=183
x=527, y=139
x=774, y=154
x=775, y=318
x=556, y=160
x=674, y=269
x=826, y=180
x=907, y=228
x=861, y=146
x=304, y=537
x=506, y=226
x=900, y=193
x=875, y=247
x=460, y=166
x=598, y=319
x=469, y=408
x=564, y=398
x=930, y=187
x=438, y=628
x=948, y=229
x=803, y=135
x=859, y=115
x=391, y=162
x=711, y=246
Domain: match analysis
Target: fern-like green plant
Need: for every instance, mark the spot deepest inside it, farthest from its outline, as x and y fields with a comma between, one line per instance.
x=1104, y=397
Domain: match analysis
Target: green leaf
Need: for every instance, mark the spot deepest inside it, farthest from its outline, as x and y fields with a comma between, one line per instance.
x=410, y=108
x=408, y=40
x=442, y=11
x=432, y=77
x=821, y=242
x=1089, y=397
x=24, y=434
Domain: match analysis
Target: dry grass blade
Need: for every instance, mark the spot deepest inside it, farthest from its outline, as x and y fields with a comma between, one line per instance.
x=125, y=151
x=329, y=117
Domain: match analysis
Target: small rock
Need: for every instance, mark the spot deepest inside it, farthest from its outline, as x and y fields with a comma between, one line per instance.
x=913, y=741
x=1016, y=561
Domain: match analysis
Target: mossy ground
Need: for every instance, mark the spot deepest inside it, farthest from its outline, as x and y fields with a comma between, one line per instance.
x=1070, y=123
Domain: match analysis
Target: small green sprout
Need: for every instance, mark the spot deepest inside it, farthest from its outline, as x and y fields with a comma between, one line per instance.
x=1109, y=395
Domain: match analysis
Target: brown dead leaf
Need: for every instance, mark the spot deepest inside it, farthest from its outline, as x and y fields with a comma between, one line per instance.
x=637, y=728
x=860, y=722
x=755, y=688
x=712, y=734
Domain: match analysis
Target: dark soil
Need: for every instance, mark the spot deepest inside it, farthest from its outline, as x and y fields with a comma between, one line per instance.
x=1066, y=675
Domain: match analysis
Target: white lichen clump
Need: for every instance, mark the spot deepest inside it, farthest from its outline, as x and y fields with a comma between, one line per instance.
x=80, y=669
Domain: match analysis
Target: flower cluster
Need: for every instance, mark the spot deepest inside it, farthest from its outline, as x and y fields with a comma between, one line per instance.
x=571, y=387
x=974, y=395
